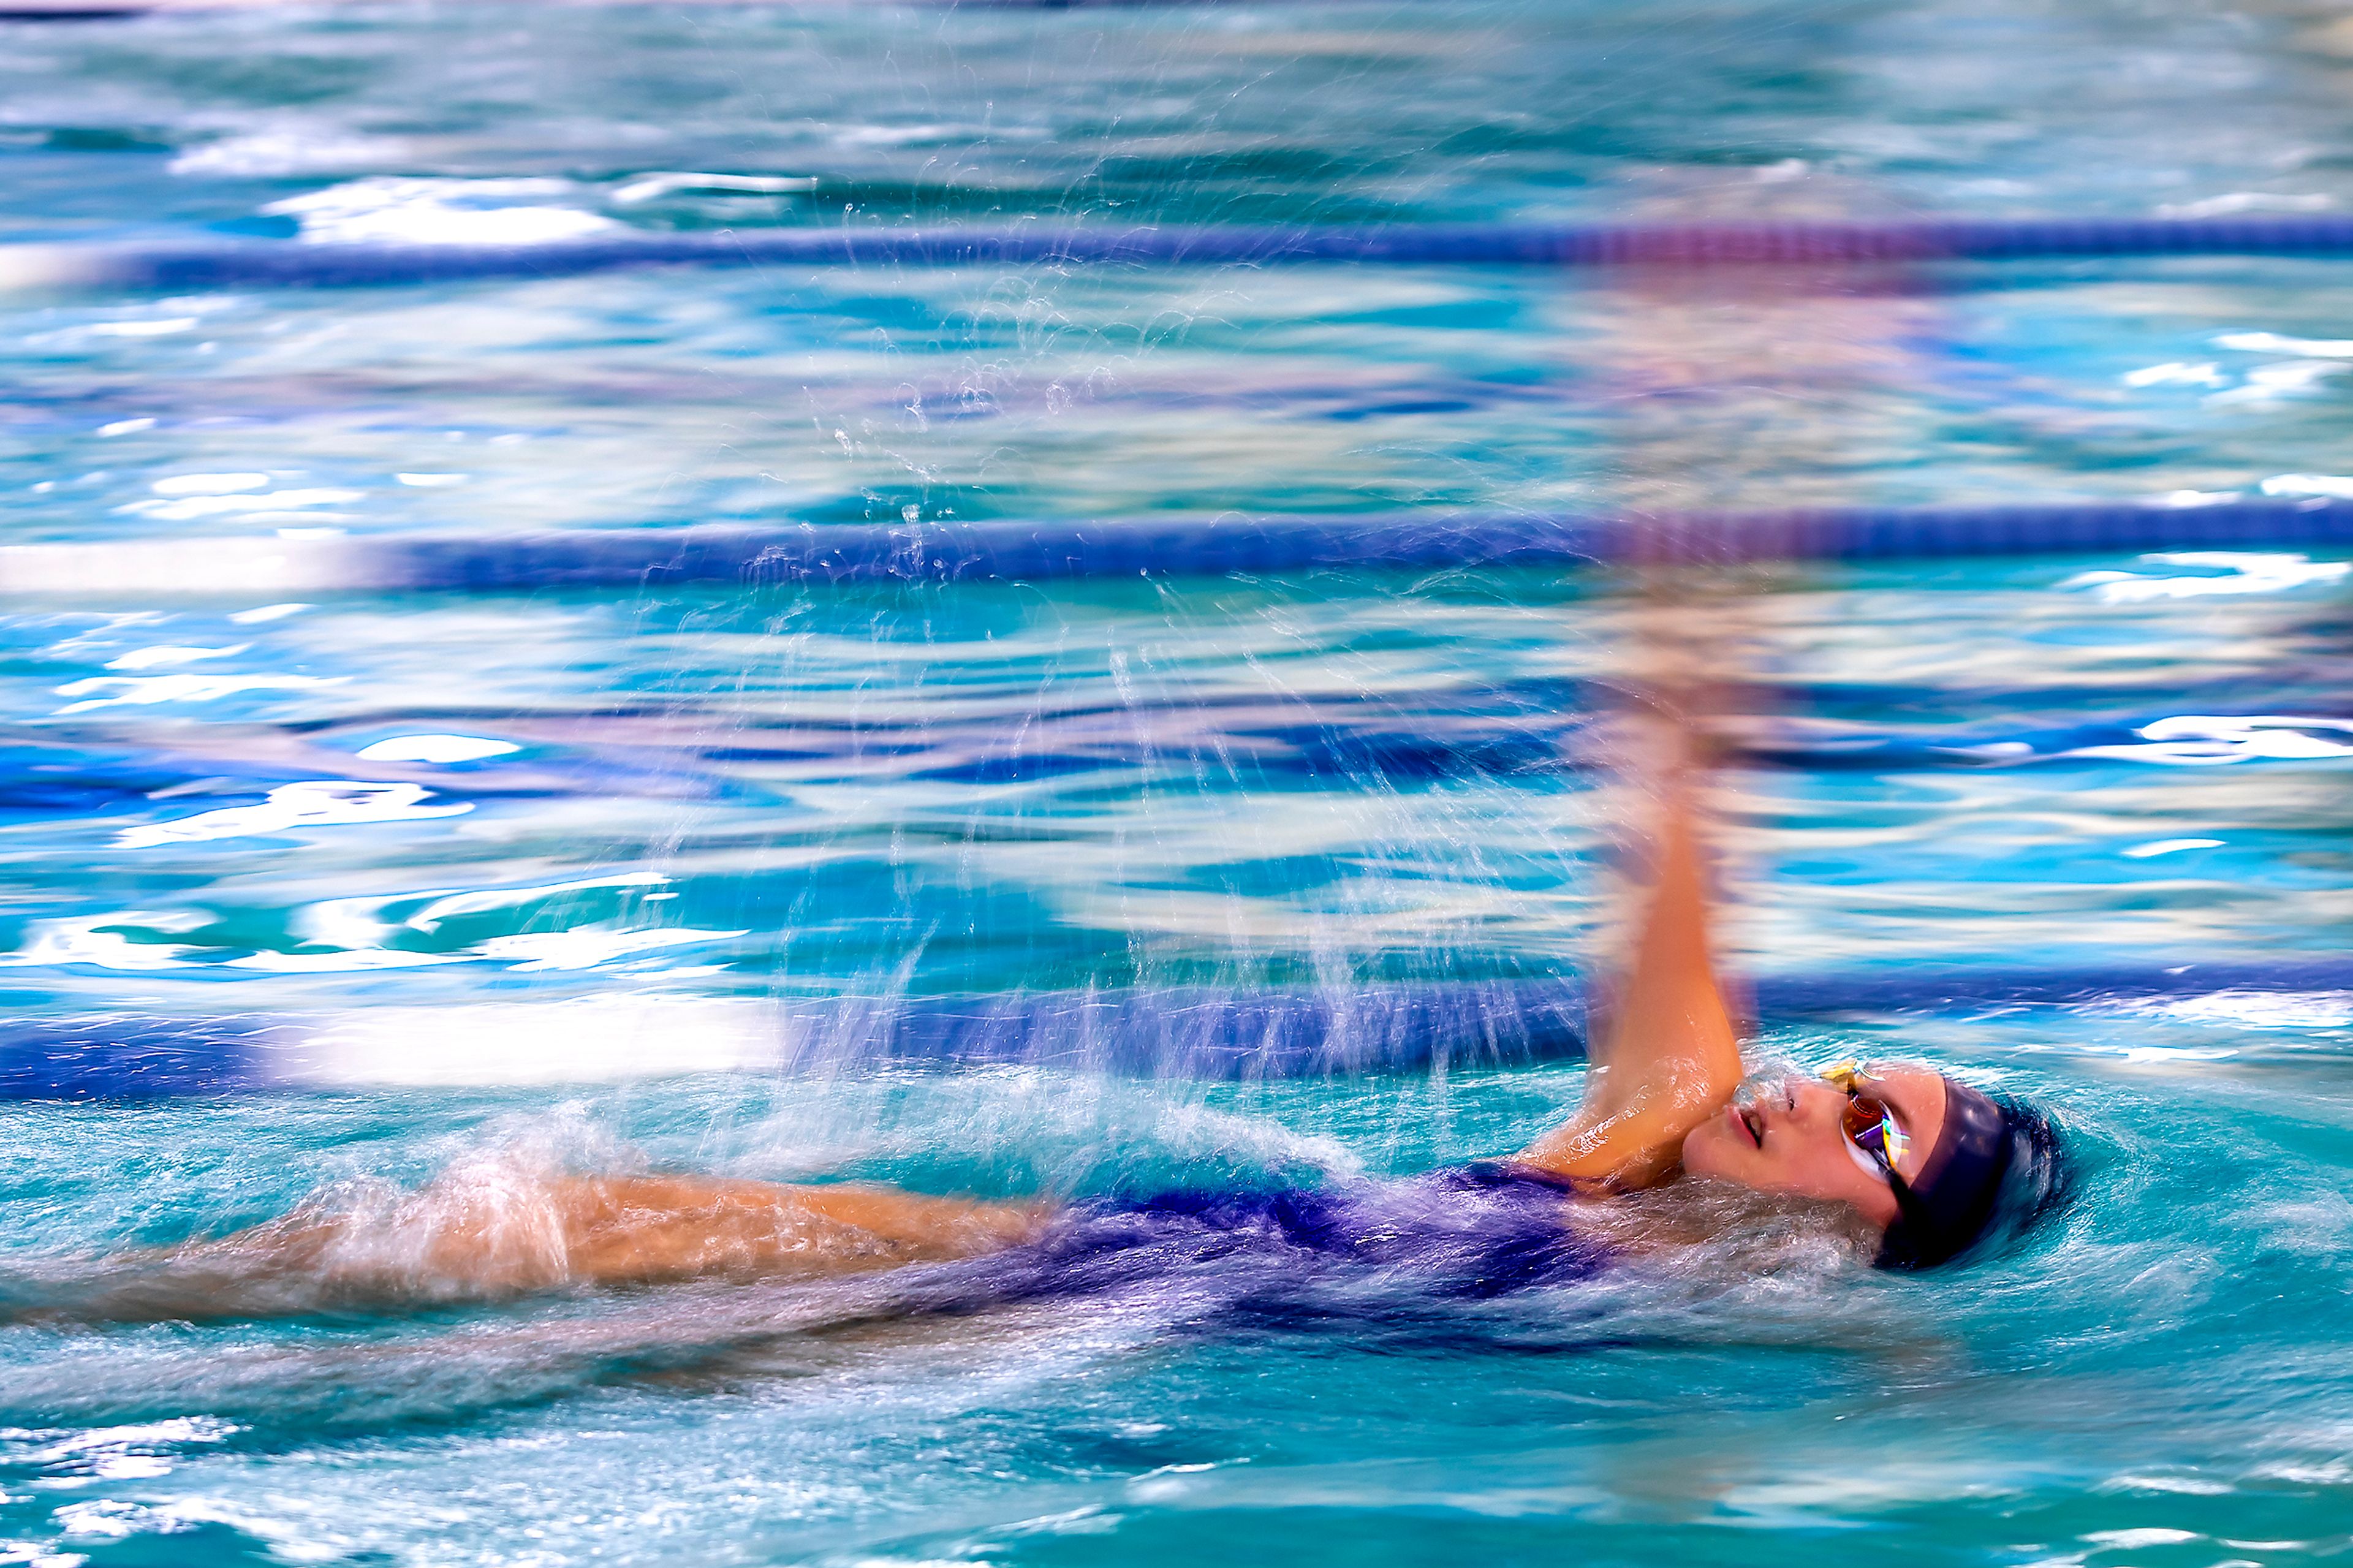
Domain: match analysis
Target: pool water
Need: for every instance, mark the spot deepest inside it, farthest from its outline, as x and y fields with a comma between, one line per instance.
x=507, y=882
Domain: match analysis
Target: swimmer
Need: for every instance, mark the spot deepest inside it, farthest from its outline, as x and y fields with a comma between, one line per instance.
x=1922, y=1167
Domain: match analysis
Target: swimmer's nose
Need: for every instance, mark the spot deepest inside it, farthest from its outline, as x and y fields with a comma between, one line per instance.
x=1796, y=1103
x=1770, y=1104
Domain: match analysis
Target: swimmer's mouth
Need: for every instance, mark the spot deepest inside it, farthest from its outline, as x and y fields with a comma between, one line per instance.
x=1752, y=1123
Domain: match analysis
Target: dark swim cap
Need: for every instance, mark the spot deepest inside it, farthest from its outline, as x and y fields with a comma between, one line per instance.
x=1995, y=1166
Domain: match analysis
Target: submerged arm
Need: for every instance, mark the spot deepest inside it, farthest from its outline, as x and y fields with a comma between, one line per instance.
x=1670, y=1057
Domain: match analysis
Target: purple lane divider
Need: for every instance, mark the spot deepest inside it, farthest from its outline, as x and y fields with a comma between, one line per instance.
x=209, y=264
x=788, y=554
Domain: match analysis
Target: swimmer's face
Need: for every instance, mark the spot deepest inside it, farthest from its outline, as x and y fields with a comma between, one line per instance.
x=1790, y=1137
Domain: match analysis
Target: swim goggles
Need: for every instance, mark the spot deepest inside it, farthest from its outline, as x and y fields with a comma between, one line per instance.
x=1870, y=1123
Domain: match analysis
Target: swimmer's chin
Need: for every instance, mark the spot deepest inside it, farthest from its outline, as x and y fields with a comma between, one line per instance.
x=1709, y=1150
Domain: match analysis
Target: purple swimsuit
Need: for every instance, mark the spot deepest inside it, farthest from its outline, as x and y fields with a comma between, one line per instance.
x=1471, y=1232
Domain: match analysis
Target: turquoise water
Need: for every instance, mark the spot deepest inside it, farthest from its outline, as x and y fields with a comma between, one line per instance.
x=521, y=882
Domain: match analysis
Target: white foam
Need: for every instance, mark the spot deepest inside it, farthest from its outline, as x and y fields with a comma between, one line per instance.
x=407, y=210
x=435, y=749
x=2176, y=372
x=2286, y=378
x=288, y=151
x=254, y=567
x=312, y=802
x=187, y=509
x=208, y=484
x=2224, y=573
x=2274, y=344
x=111, y=1518
x=162, y=328
x=652, y=187
x=77, y=940
x=592, y=1039
x=2339, y=486
x=268, y=613
x=343, y=961
x=2257, y=1009
x=164, y=655
x=2199, y=740
x=147, y=1434
x=2169, y=847
x=2186, y=1486
x=482, y=900
x=2232, y=202
x=145, y=690
x=585, y=947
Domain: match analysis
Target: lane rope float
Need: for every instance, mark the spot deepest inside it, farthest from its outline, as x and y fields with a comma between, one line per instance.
x=1035, y=551
x=199, y=264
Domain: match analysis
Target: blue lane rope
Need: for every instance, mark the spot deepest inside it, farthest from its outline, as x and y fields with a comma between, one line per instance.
x=1037, y=550
x=1030, y=552
x=67, y=11
x=1194, y=1033
x=201, y=265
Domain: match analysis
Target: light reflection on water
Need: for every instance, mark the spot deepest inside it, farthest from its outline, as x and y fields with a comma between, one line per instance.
x=711, y=800
x=506, y=883
x=1171, y=784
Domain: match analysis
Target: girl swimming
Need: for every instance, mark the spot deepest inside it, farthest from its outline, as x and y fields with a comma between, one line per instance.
x=1922, y=1166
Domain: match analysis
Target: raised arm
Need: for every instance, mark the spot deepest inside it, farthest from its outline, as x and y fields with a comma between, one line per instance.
x=1669, y=1057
